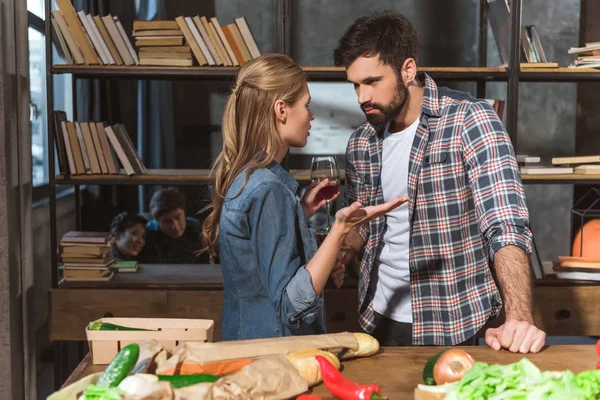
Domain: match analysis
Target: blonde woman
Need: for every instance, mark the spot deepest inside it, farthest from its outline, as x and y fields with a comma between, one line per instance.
x=273, y=274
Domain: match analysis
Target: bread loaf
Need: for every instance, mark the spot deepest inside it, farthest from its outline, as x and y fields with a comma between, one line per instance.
x=308, y=366
x=367, y=346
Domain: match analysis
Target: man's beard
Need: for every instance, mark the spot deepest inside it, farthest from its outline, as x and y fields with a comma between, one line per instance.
x=388, y=112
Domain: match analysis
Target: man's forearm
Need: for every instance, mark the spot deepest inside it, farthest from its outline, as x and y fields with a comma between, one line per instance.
x=512, y=270
x=352, y=246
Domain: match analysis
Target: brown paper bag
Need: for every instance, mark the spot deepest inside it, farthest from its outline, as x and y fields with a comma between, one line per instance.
x=267, y=378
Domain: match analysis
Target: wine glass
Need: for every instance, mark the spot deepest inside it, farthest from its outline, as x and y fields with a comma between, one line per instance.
x=325, y=167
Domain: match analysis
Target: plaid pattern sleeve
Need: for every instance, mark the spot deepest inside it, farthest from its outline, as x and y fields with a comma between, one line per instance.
x=494, y=177
x=354, y=189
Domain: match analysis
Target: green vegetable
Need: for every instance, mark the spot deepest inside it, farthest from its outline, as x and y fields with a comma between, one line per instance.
x=120, y=366
x=179, y=381
x=95, y=392
x=105, y=326
x=521, y=380
x=428, y=370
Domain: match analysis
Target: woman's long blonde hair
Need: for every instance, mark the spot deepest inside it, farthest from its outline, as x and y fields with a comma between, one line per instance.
x=250, y=137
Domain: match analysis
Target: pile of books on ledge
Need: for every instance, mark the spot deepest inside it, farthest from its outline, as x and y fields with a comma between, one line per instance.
x=587, y=56
x=87, y=256
x=94, y=148
x=577, y=268
x=587, y=165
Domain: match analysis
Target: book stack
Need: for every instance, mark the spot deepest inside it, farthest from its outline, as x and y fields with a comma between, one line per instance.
x=532, y=50
x=587, y=56
x=161, y=43
x=94, y=148
x=87, y=256
x=91, y=40
x=577, y=268
x=215, y=45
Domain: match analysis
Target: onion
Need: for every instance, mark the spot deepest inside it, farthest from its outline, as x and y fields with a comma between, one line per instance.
x=451, y=366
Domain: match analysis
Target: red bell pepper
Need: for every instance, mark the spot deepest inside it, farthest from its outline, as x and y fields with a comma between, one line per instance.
x=343, y=388
x=308, y=397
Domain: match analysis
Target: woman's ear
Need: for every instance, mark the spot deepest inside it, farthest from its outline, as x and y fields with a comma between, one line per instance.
x=280, y=109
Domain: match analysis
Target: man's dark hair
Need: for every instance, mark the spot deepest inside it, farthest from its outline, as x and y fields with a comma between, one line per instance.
x=166, y=200
x=124, y=221
x=387, y=34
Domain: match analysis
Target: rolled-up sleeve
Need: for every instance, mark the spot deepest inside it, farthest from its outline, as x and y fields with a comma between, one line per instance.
x=278, y=248
x=495, y=180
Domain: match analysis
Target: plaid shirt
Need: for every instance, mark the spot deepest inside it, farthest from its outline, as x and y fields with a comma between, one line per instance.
x=466, y=202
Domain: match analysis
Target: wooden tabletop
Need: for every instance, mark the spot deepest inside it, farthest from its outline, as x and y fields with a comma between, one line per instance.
x=398, y=370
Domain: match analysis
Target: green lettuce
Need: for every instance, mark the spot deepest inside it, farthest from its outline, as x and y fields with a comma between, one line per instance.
x=521, y=381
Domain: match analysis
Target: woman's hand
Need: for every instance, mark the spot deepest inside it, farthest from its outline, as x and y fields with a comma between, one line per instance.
x=310, y=202
x=355, y=214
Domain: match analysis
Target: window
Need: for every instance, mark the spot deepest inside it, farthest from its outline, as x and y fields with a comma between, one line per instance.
x=37, y=90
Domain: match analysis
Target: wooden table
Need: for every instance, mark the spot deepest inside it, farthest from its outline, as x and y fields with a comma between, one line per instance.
x=398, y=370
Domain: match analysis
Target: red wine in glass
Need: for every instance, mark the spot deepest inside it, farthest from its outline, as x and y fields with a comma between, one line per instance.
x=328, y=191
x=325, y=167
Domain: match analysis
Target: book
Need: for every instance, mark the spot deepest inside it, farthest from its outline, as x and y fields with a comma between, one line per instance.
x=79, y=35
x=84, y=273
x=575, y=160
x=75, y=148
x=92, y=35
x=84, y=150
x=126, y=40
x=100, y=39
x=71, y=43
x=65, y=134
x=146, y=52
x=215, y=22
x=214, y=36
x=237, y=36
x=247, y=36
x=90, y=148
x=159, y=41
x=173, y=62
x=70, y=259
x=527, y=159
x=139, y=25
x=98, y=147
x=110, y=44
x=539, y=65
x=234, y=47
x=59, y=42
x=90, y=279
x=119, y=150
x=58, y=118
x=84, y=250
x=157, y=32
x=87, y=237
x=169, y=49
x=126, y=266
x=189, y=37
x=117, y=39
x=537, y=44
x=112, y=163
x=542, y=170
x=207, y=40
x=198, y=38
x=593, y=169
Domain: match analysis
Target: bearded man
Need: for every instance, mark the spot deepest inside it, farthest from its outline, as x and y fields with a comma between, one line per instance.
x=437, y=268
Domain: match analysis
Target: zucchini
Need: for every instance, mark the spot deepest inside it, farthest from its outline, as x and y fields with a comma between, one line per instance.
x=179, y=381
x=428, y=370
x=120, y=366
x=105, y=326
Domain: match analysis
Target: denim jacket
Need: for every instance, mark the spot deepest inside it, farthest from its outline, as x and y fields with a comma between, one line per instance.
x=264, y=245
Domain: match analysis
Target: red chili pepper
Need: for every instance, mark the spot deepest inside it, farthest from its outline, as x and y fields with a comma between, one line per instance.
x=308, y=397
x=343, y=388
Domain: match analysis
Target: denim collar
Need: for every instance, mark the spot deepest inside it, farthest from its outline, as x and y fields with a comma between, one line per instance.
x=284, y=176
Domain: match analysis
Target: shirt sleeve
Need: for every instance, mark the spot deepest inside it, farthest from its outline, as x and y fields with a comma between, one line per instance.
x=275, y=236
x=354, y=188
x=494, y=177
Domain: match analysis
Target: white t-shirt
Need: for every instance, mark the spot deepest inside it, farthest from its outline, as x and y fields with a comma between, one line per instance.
x=392, y=286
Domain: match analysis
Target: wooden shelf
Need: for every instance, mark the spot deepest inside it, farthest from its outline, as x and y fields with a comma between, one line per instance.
x=201, y=176
x=227, y=73
x=559, y=74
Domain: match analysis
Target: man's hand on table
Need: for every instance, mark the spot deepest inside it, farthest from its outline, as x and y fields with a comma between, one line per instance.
x=516, y=336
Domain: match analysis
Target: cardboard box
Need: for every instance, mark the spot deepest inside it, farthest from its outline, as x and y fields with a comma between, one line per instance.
x=169, y=332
